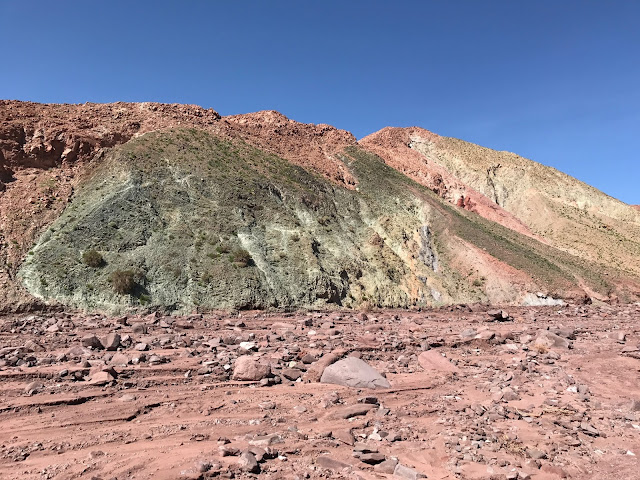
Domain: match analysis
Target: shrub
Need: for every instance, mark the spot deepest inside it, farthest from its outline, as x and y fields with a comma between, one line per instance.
x=365, y=306
x=206, y=278
x=324, y=220
x=241, y=257
x=222, y=248
x=542, y=349
x=478, y=282
x=123, y=281
x=92, y=258
x=376, y=240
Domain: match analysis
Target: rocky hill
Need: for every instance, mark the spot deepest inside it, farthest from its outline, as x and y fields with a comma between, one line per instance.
x=140, y=206
x=501, y=186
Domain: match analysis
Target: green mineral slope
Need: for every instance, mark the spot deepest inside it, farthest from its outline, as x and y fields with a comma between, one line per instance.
x=181, y=220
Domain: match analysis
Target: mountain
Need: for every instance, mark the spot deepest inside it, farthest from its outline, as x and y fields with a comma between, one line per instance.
x=144, y=206
x=553, y=207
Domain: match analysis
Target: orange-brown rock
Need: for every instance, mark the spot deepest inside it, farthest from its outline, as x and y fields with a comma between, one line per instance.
x=394, y=146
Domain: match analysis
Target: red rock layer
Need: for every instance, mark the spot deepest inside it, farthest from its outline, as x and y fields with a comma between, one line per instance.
x=305, y=144
x=44, y=148
x=392, y=145
x=47, y=135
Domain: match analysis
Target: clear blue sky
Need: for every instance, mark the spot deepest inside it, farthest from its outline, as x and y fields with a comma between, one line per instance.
x=555, y=81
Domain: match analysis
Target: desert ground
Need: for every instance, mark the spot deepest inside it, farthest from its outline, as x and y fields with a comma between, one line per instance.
x=461, y=393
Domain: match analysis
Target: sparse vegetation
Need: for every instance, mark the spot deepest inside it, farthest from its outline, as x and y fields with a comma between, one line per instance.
x=541, y=349
x=324, y=220
x=123, y=281
x=92, y=258
x=182, y=222
x=365, y=306
x=207, y=278
x=223, y=248
x=376, y=240
x=241, y=257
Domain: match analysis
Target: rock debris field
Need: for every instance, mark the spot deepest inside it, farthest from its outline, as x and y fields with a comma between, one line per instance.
x=458, y=393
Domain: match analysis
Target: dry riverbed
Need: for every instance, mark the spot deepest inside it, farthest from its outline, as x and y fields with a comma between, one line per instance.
x=544, y=392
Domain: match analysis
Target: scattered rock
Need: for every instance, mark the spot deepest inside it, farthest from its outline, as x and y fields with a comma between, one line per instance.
x=372, y=458
x=101, y=378
x=91, y=341
x=432, y=360
x=33, y=388
x=344, y=436
x=329, y=463
x=353, y=372
x=351, y=411
x=314, y=373
x=547, y=339
x=248, y=463
x=248, y=368
x=291, y=373
x=387, y=467
x=407, y=473
x=111, y=342
x=499, y=315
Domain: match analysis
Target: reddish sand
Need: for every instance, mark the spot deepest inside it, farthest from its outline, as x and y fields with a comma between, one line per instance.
x=487, y=400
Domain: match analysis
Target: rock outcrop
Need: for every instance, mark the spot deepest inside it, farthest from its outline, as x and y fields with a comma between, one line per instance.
x=518, y=193
x=155, y=206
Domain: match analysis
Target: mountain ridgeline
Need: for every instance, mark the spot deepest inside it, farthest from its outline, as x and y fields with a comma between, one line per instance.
x=151, y=206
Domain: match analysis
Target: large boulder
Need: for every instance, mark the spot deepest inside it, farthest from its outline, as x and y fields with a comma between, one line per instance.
x=248, y=368
x=353, y=372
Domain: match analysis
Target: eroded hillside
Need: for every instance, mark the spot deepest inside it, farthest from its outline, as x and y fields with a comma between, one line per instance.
x=46, y=149
x=553, y=206
x=175, y=207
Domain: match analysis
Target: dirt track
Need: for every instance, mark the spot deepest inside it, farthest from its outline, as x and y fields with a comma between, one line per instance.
x=549, y=393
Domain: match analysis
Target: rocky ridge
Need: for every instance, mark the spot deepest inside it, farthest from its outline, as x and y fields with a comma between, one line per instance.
x=51, y=152
x=46, y=149
x=394, y=146
x=546, y=203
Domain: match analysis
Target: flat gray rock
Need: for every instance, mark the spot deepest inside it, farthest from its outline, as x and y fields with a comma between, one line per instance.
x=325, y=461
x=353, y=372
x=407, y=473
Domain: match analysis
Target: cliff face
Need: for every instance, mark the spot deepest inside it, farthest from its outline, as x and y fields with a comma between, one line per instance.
x=193, y=210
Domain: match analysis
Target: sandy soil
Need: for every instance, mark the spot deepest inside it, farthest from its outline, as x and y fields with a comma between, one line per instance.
x=489, y=399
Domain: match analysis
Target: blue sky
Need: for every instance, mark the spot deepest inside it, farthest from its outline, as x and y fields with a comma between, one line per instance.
x=554, y=81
